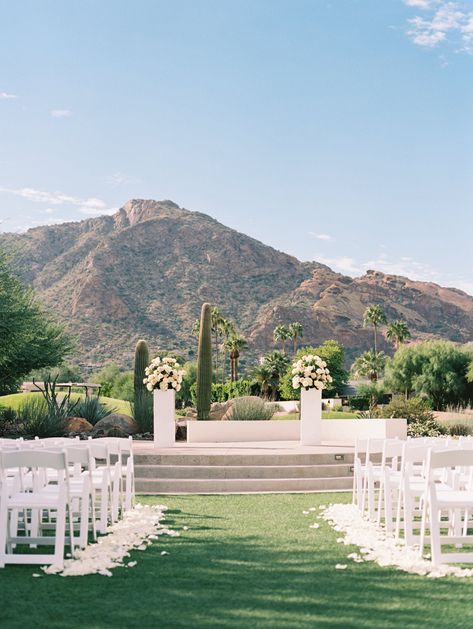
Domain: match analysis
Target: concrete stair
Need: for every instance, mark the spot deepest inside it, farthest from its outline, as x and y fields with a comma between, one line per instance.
x=242, y=473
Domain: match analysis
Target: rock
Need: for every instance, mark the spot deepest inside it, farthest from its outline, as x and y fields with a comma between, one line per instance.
x=78, y=424
x=115, y=425
x=181, y=430
x=218, y=410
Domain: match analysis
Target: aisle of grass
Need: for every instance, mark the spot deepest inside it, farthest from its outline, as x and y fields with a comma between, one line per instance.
x=246, y=561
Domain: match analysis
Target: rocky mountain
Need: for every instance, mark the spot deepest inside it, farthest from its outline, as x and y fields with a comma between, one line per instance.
x=145, y=271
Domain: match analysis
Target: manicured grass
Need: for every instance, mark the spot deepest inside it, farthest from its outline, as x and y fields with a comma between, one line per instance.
x=325, y=415
x=245, y=562
x=14, y=400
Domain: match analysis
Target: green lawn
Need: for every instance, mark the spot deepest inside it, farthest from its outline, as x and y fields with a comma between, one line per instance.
x=246, y=561
x=14, y=400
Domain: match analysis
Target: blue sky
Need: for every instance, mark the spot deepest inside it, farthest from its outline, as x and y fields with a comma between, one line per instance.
x=338, y=131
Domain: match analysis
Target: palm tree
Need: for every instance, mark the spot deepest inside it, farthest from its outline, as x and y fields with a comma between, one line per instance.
x=297, y=332
x=234, y=344
x=277, y=363
x=397, y=333
x=369, y=365
x=262, y=375
x=375, y=316
x=228, y=330
x=281, y=333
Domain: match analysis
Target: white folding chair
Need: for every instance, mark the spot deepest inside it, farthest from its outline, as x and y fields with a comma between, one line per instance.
x=440, y=503
x=35, y=500
x=101, y=479
x=367, y=473
x=390, y=480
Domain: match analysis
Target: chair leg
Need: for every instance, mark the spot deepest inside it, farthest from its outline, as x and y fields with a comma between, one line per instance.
x=60, y=535
x=3, y=532
x=84, y=519
x=435, y=536
x=388, y=508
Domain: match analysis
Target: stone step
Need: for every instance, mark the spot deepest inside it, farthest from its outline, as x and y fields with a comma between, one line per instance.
x=243, y=459
x=161, y=472
x=241, y=486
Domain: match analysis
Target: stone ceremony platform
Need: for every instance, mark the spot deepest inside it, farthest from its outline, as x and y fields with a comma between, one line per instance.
x=242, y=467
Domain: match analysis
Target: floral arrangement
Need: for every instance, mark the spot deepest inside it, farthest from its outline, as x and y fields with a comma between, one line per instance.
x=163, y=374
x=310, y=372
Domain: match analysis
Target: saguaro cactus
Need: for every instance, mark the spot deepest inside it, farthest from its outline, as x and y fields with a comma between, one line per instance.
x=141, y=362
x=204, y=363
x=143, y=400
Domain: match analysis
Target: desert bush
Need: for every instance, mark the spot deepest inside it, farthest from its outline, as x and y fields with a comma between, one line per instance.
x=459, y=430
x=9, y=426
x=251, y=408
x=37, y=419
x=414, y=409
x=426, y=428
x=92, y=409
x=421, y=421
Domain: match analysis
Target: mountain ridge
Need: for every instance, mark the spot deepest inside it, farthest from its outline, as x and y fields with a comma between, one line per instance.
x=145, y=270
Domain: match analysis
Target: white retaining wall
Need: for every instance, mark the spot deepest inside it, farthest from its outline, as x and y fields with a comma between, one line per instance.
x=333, y=430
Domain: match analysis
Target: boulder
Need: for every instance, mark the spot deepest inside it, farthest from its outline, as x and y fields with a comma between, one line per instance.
x=219, y=409
x=115, y=425
x=181, y=430
x=78, y=424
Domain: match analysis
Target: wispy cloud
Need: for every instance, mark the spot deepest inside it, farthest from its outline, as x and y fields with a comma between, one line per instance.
x=7, y=96
x=91, y=211
x=441, y=21
x=119, y=179
x=342, y=264
x=420, y=4
x=60, y=113
x=320, y=236
x=405, y=266
x=91, y=206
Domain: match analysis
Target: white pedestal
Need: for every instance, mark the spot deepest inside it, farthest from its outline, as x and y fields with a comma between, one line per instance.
x=163, y=418
x=311, y=417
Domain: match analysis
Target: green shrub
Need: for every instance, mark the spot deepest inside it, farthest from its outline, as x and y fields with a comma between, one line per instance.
x=37, y=419
x=414, y=410
x=251, y=408
x=362, y=402
x=92, y=409
x=225, y=391
x=426, y=428
x=459, y=430
x=230, y=390
x=9, y=426
x=142, y=410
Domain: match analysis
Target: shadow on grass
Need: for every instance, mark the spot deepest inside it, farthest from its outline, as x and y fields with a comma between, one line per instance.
x=244, y=562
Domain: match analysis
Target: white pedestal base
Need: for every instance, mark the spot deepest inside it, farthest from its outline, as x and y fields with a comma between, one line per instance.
x=163, y=418
x=311, y=417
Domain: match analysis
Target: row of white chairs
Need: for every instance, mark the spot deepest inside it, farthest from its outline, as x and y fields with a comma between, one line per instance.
x=422, y=488
x=52, y=488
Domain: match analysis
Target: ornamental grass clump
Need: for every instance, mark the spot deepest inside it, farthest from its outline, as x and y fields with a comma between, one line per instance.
x=92, y=409
x=251, y=408
x=163, y=374
x=310, y=372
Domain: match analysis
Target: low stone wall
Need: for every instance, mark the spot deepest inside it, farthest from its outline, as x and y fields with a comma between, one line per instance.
x=333, y=430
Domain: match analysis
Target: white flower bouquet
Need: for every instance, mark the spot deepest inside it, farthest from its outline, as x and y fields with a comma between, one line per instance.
x=163, y=374
x=310, y=372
